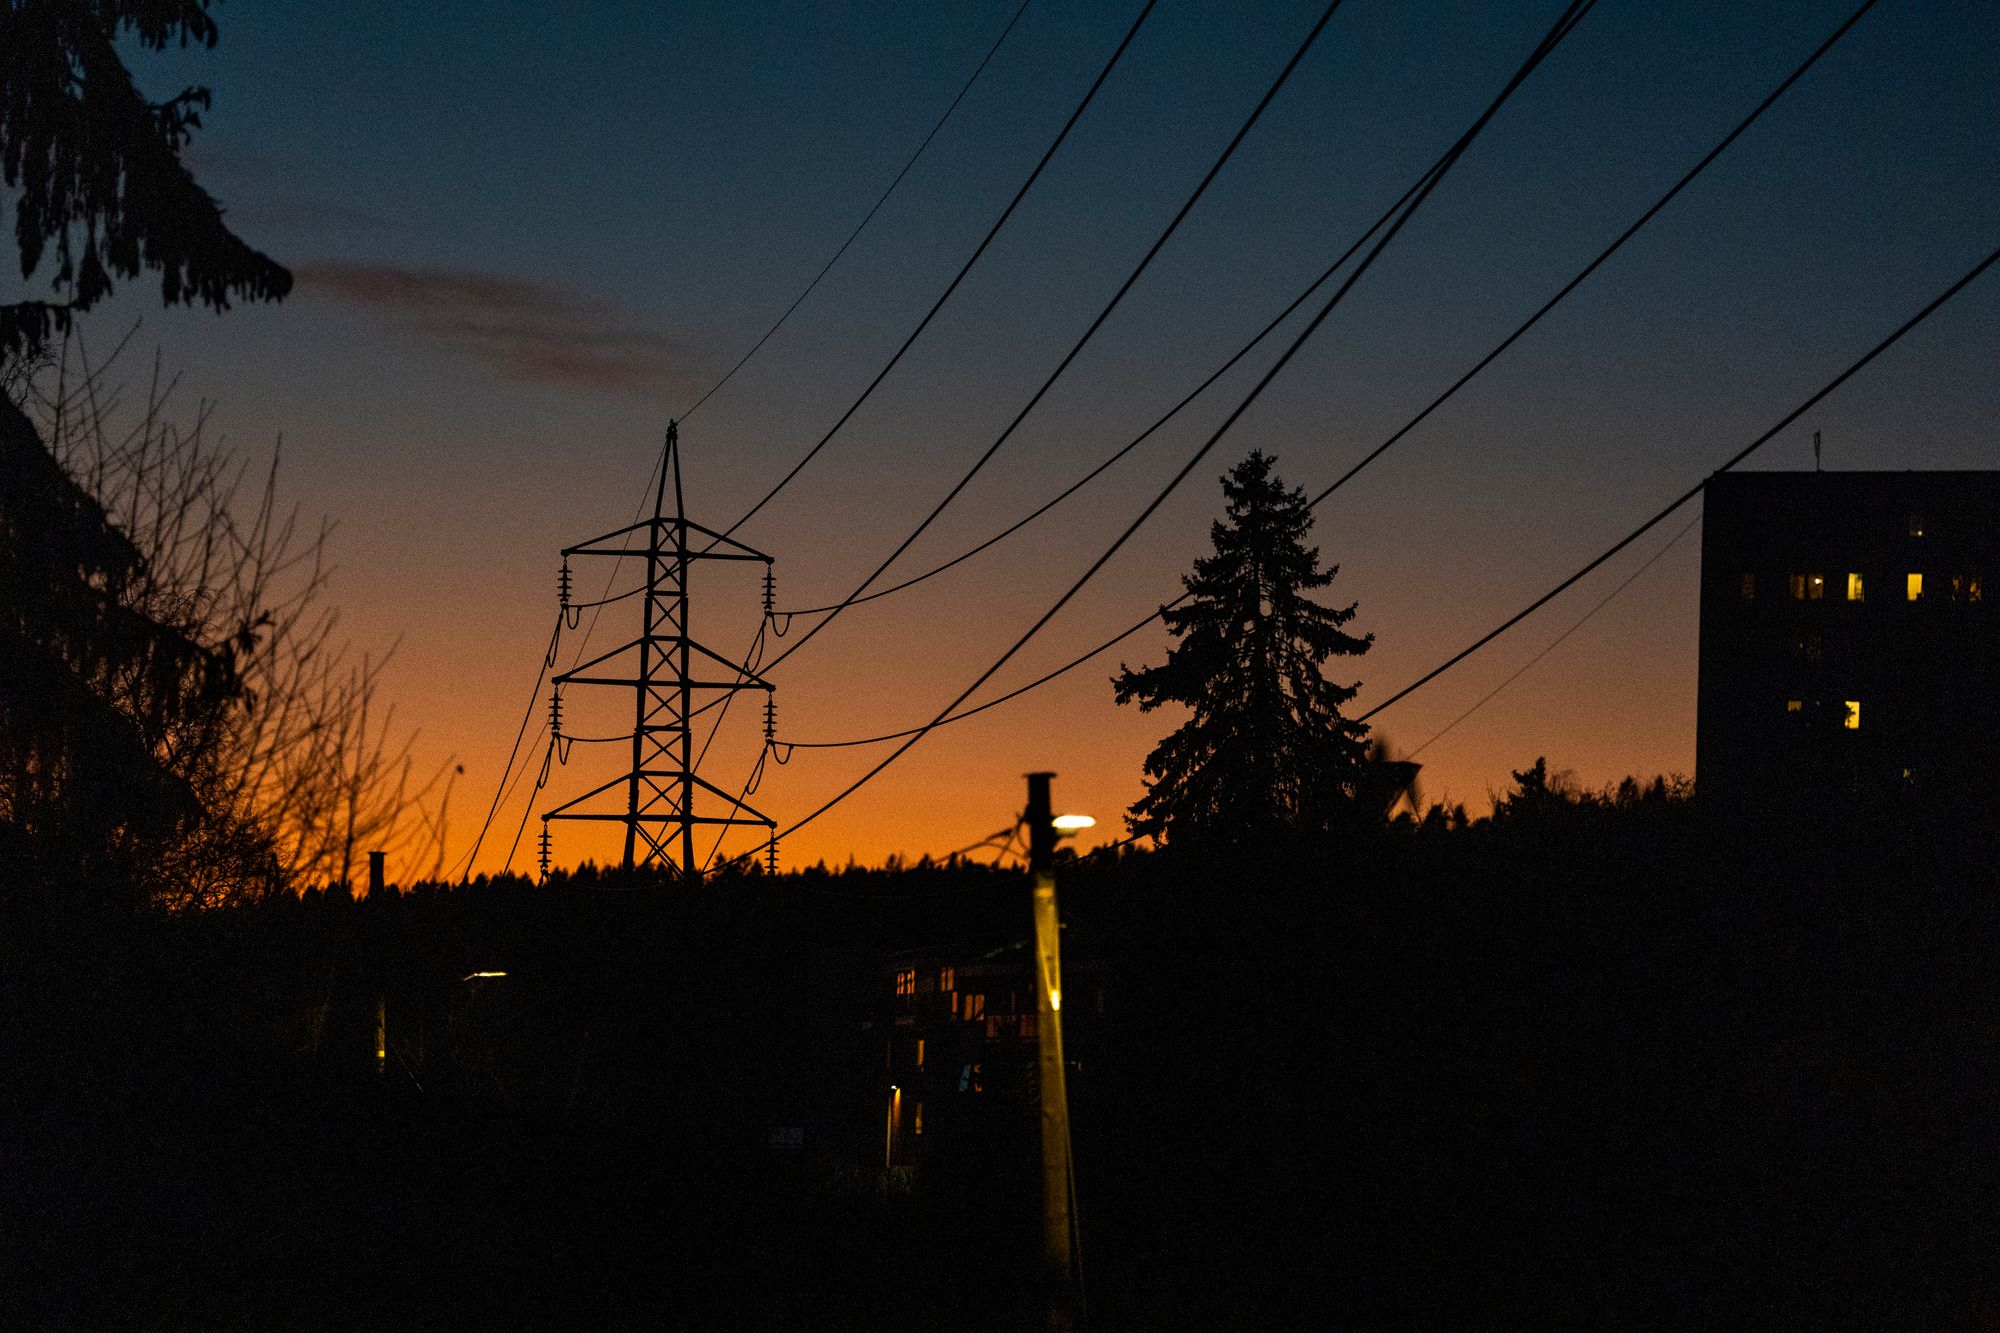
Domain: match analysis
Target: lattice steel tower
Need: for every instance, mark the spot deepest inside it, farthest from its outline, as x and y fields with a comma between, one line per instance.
x=662, y=786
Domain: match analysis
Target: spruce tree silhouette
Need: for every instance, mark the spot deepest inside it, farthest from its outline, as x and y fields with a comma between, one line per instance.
x=1267, y=752
x=96, y=170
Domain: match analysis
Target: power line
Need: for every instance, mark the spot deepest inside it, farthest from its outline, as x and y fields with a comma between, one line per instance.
x=1270, y=94
x=1145, y=434
x=1435, y=403
x=938, y=305
x=1571, y=16
x=1556, y=642
x=798, y=300
x=1690, y=494
x=606, y=599
x=548, y=660
x=1608, y=250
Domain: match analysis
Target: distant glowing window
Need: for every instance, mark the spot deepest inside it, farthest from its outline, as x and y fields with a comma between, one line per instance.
x=1965, y=588
x=1853, y=722
x=1749, y=587
x=1913, y=587
x=1972, y=588
x=917, y=1119
x=1916, y=525
x=1854, y=589
x=1798, y=587
x=947, y=978
x=920, y=1052
x=974, y=1008
x=1815, y=587
x=1795, y=705
x=906, y=981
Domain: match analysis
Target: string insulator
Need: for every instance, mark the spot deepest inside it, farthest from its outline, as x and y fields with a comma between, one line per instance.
x=544, y=856
x=562, y=584
x=771, y=856
x=770, y=590
x=770, y=718
x=555, y=712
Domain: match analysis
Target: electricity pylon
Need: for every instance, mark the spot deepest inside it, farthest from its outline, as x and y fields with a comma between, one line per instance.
x=661, y=786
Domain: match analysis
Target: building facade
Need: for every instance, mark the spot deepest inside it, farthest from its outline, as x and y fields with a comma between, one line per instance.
x=1848, y=643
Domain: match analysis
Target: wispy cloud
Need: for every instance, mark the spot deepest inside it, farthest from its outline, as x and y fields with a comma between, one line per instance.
x=516, y=329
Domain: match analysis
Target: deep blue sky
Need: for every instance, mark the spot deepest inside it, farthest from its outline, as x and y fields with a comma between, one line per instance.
x=525, y=236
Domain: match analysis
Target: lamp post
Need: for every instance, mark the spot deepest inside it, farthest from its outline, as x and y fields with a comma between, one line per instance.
x=1060, y=1273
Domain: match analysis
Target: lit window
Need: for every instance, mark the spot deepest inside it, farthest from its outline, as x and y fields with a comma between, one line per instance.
x=1916, y=525
x=1798, y=587
x=1972, y=588
x=1816, y=587
x=1965, y=587
x=1853, y=722
x=1854, y=590
x=906, y=981
x=1913, y=586
x=1749, y=587
x=920, y=1052
x=947, y=978
x=1795, y=705
x=917, y=1120
x=975, y=1008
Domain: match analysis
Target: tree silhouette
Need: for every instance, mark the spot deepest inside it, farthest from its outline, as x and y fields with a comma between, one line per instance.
x=100, y=696
x=1266, y=751
x=110, y=706
x=95, y=169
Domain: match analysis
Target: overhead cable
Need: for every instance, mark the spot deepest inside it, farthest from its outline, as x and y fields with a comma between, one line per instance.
x=966, y=268
x=1685, y=496
x=1557, y=642
x=1571, y=16
x=1076, y=349
x=868, y=217
x=1440, y=400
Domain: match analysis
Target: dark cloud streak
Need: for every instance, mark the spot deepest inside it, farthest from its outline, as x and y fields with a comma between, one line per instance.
x=516, y=329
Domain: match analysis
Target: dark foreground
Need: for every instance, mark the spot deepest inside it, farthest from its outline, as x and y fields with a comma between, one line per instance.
x=1600, y=1067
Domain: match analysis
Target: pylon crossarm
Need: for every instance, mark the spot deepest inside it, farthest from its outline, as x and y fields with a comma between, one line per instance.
x=588, y=547
x=570, y=675
x=668, y=819
x=634, y=681
x=750, y=679
x=717, y=539
x=557, y=813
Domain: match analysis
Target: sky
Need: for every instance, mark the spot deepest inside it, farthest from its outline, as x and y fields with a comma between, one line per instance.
x=525, y=237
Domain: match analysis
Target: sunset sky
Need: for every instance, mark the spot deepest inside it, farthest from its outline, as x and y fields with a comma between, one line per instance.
x=526, y=235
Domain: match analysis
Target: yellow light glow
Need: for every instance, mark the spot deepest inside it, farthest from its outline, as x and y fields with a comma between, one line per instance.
x=1853, y=722
x=1854, y=589
x=1914, y=586
x=1794, y=705
x=1071, y=823
x=1055, y=999
x=475, y=976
